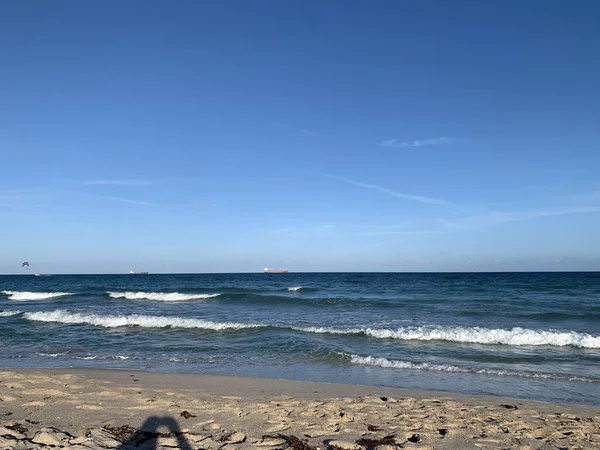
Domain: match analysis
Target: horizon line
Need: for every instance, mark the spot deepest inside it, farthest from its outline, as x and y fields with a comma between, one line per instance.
x=312, y=272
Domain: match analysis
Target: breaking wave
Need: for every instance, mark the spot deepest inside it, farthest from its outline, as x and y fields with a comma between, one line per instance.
x=395, y=364
x=295, y=288
x=476, y=335
x=116, y=357
x=134, y=320
x=86, y=358
x=9, y=313
x=17, y=295
x=161, y=296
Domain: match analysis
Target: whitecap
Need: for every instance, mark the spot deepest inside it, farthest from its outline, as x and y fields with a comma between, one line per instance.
x=89, y=358
x=134, y=320
x=396, y=364
x=160, y=296
x=9, y=313
x=474, y=335
x=18, y=295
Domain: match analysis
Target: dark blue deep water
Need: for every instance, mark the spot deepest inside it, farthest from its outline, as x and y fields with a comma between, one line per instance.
x=526, y=335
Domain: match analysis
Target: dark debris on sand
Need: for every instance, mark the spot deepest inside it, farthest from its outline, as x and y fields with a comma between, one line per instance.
x=414, y=438
x=296, y=443
x=367, y=442
x=17, y=427
x=186, y=415
x=122, y=433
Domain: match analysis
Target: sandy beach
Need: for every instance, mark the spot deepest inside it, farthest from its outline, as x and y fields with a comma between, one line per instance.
x=94, y=409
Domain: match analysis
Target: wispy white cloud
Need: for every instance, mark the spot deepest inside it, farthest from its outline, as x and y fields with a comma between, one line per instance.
x=171, y=207
x=306, y=132
x=18, y=192
x=408, y=227
x=395, y=143
x=295, y=128
x=133, y=202
x=390, y=143
x=296, y=231
x=17, y=196
x=118, y=182
x=384, y=190
x=457, y=224
x=377, y=227
x=496, y=218
x=404, y=232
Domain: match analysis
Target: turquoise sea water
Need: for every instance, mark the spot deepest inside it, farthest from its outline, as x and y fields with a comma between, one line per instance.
x=526, y=335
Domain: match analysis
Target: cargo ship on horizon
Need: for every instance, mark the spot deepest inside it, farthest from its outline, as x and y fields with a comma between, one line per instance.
x=131, y=272
x=276, y=270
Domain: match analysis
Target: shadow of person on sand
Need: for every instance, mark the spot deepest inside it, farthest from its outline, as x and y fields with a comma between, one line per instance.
x=154, y=428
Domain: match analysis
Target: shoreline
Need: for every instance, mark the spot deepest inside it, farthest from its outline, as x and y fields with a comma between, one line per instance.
x=354, y=388
x=282, y=386
x=210, y=409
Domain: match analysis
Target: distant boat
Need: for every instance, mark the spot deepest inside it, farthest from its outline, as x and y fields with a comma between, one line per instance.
x=131, y=272
x=42, y=275
x=276, y=270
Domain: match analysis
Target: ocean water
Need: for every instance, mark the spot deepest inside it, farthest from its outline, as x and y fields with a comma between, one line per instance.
x=521, y=335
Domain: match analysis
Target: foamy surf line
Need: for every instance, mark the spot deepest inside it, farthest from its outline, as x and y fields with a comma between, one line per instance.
x=476, y=335
x=9, y=313
x=86, y=358
x=90, y=358
x=24, y=295
x=515, y=336
x=135, y=320
x=396, y=364
x=160, y=296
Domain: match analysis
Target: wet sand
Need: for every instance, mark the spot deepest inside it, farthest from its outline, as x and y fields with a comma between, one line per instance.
x=94, y=409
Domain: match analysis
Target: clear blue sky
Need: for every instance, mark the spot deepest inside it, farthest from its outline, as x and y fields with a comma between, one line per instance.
x=340, y=135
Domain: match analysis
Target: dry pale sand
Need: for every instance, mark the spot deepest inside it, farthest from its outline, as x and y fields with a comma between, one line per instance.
x=94, y=409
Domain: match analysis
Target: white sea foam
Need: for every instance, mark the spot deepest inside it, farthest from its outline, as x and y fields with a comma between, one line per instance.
x=61, y=316
x=88, y=358
x=395, y=364
x=9, y=313
x=17, y=295
x=476, y=335
x=327, y=330
x=388, y=363
x=295, y=288
x=161, y=296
